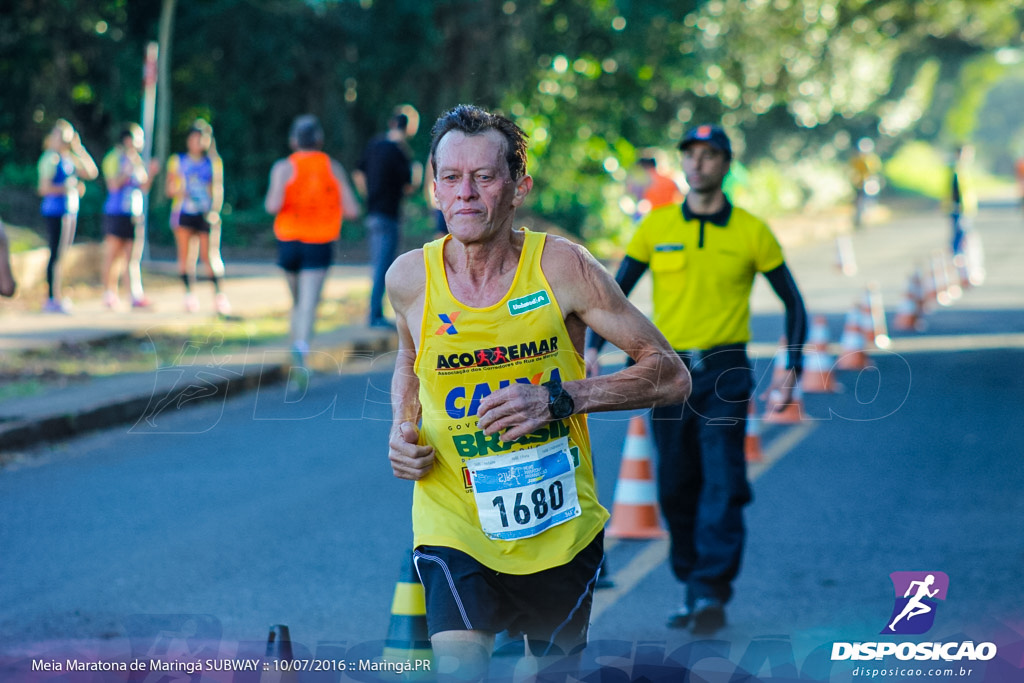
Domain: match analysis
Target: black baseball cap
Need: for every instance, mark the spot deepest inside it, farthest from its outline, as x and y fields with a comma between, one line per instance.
x=710, y=133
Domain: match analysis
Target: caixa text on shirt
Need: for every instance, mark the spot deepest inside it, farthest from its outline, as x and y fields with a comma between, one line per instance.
x=497, y=355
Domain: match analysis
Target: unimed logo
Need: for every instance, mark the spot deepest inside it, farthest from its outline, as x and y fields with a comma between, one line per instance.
x=917, y=597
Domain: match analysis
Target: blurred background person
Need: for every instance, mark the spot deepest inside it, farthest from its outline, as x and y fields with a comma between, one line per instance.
x=659, y=190
x=62, y=166
x=7, y=283
x=309, y=194
x=385, y=175
x=864, y=169
x=195, y=185
x=127, y=179
x=962, y=201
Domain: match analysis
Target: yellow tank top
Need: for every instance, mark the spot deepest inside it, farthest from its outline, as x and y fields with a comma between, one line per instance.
x=517, y=507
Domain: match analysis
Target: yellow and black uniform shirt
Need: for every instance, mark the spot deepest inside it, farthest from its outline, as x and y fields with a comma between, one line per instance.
x=703, y=269
x=517, y=507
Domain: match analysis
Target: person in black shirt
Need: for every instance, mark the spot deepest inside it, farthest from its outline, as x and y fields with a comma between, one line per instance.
x=384, y=176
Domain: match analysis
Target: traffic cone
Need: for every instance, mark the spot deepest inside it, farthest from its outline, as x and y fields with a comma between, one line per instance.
x=777, y=412
x=408, y=639
x=752, y=441
x=879, y=328
x=853, y=356
x=942, y=296
x=635, y=507
x=846, y=261
x=911, y=310
x=279, y=650
x=865, y=320
x=779, y=371
x=817, y=374
x=953, y=288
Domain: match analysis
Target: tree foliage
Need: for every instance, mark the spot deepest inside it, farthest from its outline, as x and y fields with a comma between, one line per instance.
x=593, y=82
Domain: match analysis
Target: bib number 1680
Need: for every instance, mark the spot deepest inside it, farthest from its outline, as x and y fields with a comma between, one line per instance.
x=544, y=501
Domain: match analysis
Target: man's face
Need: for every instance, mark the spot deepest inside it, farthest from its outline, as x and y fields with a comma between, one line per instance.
x=705, y=167
x=474, y=189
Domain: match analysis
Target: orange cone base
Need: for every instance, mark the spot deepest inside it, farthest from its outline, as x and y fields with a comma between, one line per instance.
x=818, y=383
x=789, y=413
x=635, y=521
x=906, y=322
x=854, y=360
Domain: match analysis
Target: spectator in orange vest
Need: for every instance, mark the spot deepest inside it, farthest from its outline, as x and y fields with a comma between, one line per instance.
x=660, y=189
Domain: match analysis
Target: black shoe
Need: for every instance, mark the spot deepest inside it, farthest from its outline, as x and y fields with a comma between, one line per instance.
x=680, y=618
x=708, y=616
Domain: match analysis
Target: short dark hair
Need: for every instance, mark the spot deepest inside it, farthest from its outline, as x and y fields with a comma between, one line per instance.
x=473, y=120
x=400, y=122
x=306, y=132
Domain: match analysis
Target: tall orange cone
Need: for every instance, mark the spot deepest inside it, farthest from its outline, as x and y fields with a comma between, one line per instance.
x=942, y=296
x=407, y=639
x=752, y=441
x=817, y=374
x=866, y=320
x=635, y=507
x=846, y=261
x=879, y=328
x=911, y=311
x=853, y=355
x=953, y=288
x=779, y=364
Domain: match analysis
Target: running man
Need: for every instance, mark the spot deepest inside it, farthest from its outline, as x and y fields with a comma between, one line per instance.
x=497, y=551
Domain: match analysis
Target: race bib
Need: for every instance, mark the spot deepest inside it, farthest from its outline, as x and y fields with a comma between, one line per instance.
x=521, y=494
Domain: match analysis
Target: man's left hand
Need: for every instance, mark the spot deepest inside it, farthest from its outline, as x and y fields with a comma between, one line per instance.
x=518, y=409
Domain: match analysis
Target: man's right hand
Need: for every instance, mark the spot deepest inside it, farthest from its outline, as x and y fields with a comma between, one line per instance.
x=408, y=459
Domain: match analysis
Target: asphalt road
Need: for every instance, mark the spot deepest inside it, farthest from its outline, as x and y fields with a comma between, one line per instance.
x=225, y=519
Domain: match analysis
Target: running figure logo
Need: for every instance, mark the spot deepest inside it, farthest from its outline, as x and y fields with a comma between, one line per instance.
x=914, y=612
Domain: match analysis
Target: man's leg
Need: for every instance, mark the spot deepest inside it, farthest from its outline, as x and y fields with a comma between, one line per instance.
x=383, y=250
x=679, y=481
x=720, y=530
x=462, y=655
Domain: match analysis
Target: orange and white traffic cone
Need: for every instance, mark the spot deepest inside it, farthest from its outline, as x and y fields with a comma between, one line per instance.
x=879, y=328
x=846, y=260
x=911, y=310
x=779, y=363
x=942, y=296
x=953, y=288
x=777, y=412
x=635, y=507
x=817, y=374
x=866, y=320
x=752, y=441
x=853, y=355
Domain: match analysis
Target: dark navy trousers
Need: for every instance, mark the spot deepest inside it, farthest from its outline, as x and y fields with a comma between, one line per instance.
x=702, y=474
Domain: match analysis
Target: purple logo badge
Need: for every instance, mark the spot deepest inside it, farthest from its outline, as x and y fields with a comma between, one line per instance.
x=917, y=595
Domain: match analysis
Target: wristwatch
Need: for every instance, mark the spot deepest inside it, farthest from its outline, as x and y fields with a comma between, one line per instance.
x=560, y=403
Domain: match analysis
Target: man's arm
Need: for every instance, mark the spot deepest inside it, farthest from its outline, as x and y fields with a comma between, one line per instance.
x=406, y=283
x=349, y=201
x=781, y=280
x=280, y=174
x=585, y=289
x=629, y=273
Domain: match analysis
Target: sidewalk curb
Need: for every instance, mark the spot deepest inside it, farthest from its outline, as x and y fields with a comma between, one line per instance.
x=142, y=397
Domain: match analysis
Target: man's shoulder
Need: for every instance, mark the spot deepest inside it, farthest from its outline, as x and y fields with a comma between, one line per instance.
x=741, y=216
